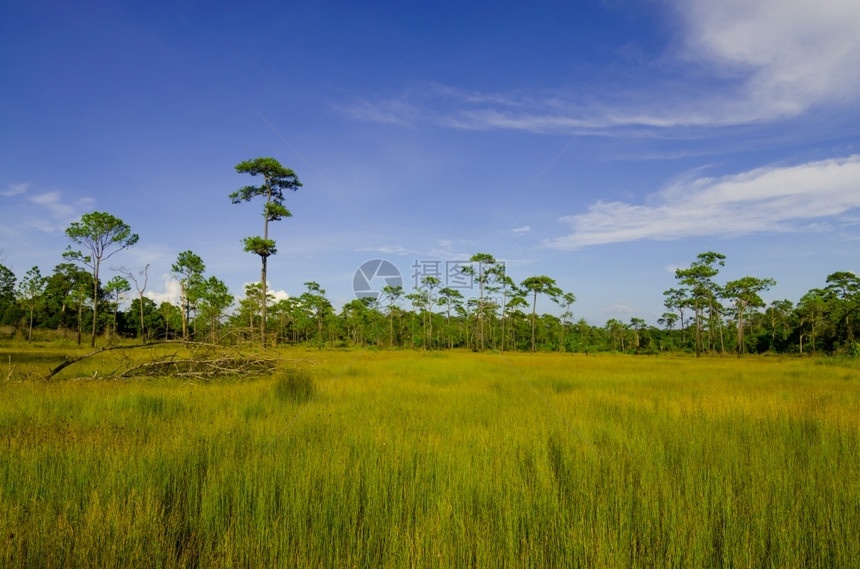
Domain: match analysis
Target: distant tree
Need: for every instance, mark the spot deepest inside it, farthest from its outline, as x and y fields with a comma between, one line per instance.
x=318, y=306
x=539, y=285
x=140, y=281
x=617, y=332
x=678, y=299
x=844, y=289
x=703, y=290
x=30, y=289
x=116, y=287
x=189, y=267
x=215, y=298
x=778, y=313
x=450, y=298
x=391, y=296
x=638, y=326
x=565, y=300
x=484, y=261
x=745, y=293
x=102, y=235
x=429, y=285
x=58, y=296
x=276, y=180
x=810, y=313
x=7, y=294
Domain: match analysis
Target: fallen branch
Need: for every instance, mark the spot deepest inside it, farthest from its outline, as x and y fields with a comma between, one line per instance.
x=69, y=361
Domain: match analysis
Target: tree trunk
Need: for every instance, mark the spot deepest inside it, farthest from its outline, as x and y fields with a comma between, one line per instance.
x=263, y=299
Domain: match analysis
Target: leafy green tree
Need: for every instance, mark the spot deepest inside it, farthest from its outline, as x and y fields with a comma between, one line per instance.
x=779, y=312
x=745, y=293
x=30, y=289
x=391, y=295
x=484, y=261
x=678, y=299
x=703, y=290
x=152, y=323
x=214, y=298
x=810, y=314
x=140, y=281
x=115, y=288
x=78, y=296
x=844, y=289
x=638, y=325
x=276, y=180
x=449, y=298
x=617, y=332
x=189, y=267
x=102, y=235
x=429, y=285
x=58, y=302
x=565, y=300
x=318, y=306
x=7, y=294
x=539, y=285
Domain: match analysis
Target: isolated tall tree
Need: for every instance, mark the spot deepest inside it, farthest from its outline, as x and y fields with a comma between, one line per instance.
x=189, y=267
x=102, y=235
x=539, y=285
x=745, y=292
x=276, y=180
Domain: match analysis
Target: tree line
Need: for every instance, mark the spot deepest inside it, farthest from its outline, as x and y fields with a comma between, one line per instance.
x=702, y=315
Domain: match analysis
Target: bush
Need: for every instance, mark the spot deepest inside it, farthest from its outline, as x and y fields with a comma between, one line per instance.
x=295, y=385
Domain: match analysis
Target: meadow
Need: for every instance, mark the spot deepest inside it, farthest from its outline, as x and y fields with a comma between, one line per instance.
x=435, y=459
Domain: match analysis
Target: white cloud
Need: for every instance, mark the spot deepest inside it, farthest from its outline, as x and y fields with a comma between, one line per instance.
x=522, y=230
x=765, y=199
x=388, y=250
x=796, y=53
x=169, y=293
x=54, y=212
x=736, y=62
x=14, y=190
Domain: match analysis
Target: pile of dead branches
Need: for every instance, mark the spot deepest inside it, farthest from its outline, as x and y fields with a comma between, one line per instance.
x=198, y=362
x=203, y=368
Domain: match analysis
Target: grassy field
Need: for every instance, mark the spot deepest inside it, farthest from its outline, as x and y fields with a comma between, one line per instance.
x=416, y=459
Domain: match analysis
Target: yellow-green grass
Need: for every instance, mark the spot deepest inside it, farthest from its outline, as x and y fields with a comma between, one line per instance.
x=443, y=459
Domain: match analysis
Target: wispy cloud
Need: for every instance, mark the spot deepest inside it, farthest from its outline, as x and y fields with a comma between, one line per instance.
x=521, y=230
x=56, y=212
x=388, y=250
x=14, y=190
x=778, y=199
x=764, y=61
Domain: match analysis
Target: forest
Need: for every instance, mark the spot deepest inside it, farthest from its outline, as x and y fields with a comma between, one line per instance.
x=702, y=314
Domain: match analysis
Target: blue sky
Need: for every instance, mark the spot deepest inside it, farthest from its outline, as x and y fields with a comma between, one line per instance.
x=601, y=143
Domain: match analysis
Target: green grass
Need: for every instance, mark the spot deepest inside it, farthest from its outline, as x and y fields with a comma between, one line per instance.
x=409, y=459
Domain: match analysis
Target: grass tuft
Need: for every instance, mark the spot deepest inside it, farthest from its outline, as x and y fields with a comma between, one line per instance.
x=295, y=385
